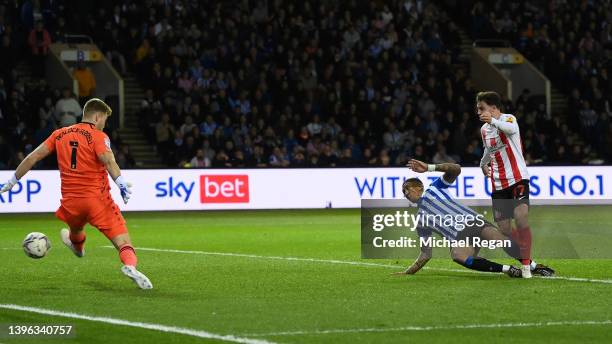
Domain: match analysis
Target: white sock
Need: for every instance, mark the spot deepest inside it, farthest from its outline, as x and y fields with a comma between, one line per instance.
x=505, y=268
x=533, y=264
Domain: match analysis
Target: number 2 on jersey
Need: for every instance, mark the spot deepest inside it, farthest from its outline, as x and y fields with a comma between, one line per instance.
x=73, y=157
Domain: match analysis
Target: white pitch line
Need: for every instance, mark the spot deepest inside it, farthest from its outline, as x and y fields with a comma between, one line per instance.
x=148, y=326
x=348, y=262
x=433, y=328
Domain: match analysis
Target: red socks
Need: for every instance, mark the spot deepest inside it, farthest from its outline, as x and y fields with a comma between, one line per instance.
x=524, y=239
x=128, y=255
x=77, y=239
x=514, y=236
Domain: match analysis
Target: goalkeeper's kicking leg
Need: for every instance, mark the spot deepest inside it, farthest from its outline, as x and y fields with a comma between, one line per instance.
x=111, y=223
x=123, y=244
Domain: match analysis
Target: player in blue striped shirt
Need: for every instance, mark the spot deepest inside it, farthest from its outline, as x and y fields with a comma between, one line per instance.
x=436, y=203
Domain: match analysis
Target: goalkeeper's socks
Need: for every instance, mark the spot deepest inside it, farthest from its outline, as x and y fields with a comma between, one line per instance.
x=481, y=264
x=77, y=239
x=524, y=235
x=128, y=255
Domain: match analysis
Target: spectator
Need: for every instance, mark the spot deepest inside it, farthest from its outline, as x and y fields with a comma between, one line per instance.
x=185, y=82
x=125, y=158
x=188, y=126
x=46, y=111
x=278, y=158
x=358, y=83
x=200, y=160
x=208, y=151
x=393, y=138
x=45, y=128
x=298, y=158
x=441, y=156
x=221, y=160
x=86, y=80
x=238, y=160
x=164, y=130
x=208, y=127
x=39, y=41
x=328, y=157
x=67, y=109
x=346, y=160
x=588, y=120
x=314, y=127
x=258, y=159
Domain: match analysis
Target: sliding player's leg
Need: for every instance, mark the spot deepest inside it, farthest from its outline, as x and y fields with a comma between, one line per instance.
x=505, y=226
x=465, y=256
x=490, y=233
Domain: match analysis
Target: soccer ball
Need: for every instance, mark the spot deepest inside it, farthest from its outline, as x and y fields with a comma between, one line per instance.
x=36, y=245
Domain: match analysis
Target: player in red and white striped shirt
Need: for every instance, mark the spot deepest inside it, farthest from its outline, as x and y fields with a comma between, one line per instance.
x=508, y=172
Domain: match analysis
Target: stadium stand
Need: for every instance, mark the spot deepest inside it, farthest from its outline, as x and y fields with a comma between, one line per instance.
x=575, y=53
x=308, y=83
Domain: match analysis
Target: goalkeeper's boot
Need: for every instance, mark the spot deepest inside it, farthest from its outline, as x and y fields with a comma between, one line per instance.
x=65, y=234
x=543, y=270
x=138, y=277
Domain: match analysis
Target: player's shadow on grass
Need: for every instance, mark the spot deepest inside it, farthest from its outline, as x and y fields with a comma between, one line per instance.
x=128, y=289
x=428, y=277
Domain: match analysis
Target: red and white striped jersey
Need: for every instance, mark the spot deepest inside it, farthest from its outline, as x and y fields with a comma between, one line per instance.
x=503, y=149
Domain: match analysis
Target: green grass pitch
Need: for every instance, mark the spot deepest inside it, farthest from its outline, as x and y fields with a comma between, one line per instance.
x=256, y=295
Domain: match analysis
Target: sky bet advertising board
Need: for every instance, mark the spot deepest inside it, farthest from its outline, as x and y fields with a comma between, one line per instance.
x=39, y=191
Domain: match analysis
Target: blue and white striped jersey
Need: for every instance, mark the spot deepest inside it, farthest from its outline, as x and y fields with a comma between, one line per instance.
x=436, y=203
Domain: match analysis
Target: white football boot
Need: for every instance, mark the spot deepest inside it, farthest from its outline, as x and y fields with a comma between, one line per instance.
x=65, y=234
x=138, y=277
x=526, y=271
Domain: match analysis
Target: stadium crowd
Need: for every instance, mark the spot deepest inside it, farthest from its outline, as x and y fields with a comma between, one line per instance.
x=29, y=108
x=571, y=42
x=281, y=83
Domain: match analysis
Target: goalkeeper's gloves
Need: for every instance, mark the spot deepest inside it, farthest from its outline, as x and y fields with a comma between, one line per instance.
x=124, y=187
x=9, y=184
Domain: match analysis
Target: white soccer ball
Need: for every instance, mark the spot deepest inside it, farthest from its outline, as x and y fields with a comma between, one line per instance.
x=36, y=245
